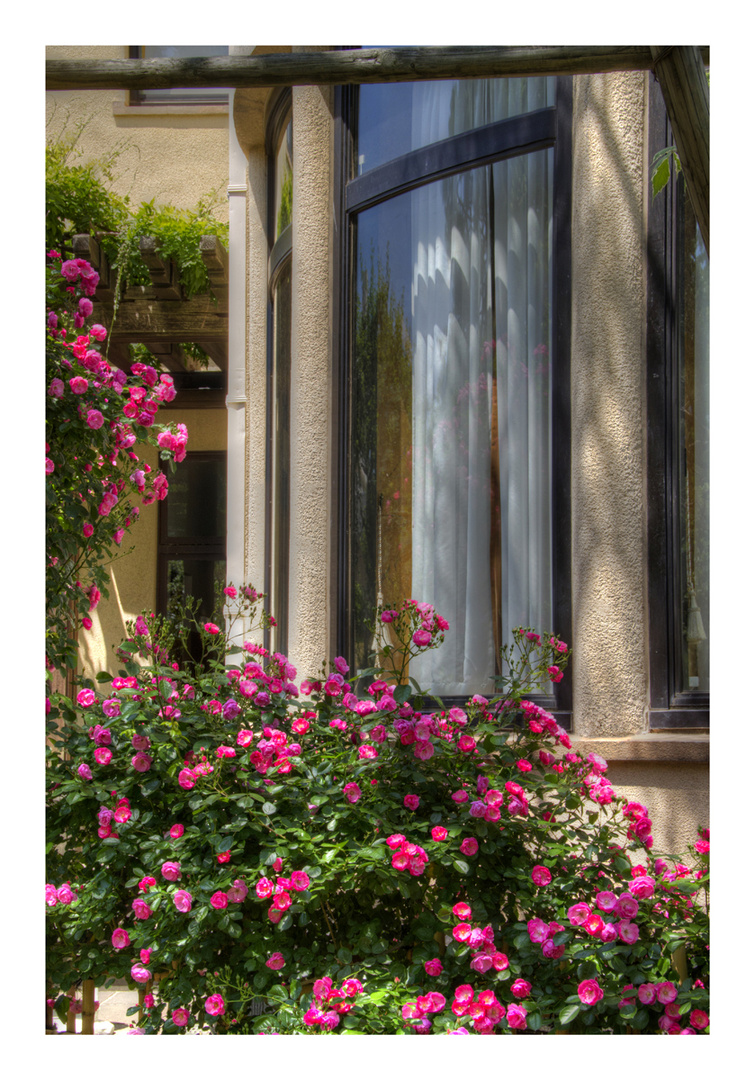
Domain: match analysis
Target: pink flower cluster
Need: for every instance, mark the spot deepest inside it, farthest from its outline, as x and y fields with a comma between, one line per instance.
x=486, y=1011
x=481, y=941
x=331, y=1003
x=64, y=894
x=640, y=823
x=406, y=856
x=280, y=890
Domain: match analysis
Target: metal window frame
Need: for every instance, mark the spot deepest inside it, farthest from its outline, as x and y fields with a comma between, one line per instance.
x=498, y=141
x=669, y=707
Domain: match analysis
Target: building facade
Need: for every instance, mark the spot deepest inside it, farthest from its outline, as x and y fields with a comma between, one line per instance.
x=468, y=363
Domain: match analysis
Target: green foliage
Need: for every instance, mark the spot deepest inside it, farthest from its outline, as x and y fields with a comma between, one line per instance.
x=79, y=199
x=337, y=871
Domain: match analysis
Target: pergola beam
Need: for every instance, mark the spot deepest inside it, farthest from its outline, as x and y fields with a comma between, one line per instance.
x=680, y=70
x=348, y=66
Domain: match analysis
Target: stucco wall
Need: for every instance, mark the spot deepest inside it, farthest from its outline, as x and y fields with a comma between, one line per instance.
x=608, y=389
x=170, y=154
x=667, y=773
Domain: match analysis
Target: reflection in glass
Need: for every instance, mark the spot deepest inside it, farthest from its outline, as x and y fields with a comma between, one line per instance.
x=693, y=450
x=450, y=423
x=284, y=181
x=396, y=118
x=281, y=454
x=195, y=506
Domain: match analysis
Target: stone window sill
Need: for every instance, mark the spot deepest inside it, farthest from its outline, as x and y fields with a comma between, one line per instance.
x=680, y=747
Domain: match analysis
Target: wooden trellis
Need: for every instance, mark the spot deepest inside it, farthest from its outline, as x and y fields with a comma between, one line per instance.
x=160, y=317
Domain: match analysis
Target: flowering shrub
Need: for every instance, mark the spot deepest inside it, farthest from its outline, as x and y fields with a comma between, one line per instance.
x=97, y=417
x=273, y=856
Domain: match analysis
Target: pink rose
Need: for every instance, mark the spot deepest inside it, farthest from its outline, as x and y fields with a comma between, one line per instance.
x=589, y=992
x=520, y=988
x=84, y=771
x=66, y=895
x=433, y=967
x=516, y=1016
x=85, y=698
x=176, y=831
x=187, y=779
x=182, y=900
x=352, y=792
x=140, y=974
x=51, y=895
x=95, y=419
x=541, y=875
x=103, y=756
x=171, y=871
x=461, y=910
x=120, y=939
x=141, y=909
x=141, y=762
x=411, y=802
x=300, y=880
x=215, y=1005
x=264, y=888
x=469, y=846
x=439, y=833
x=237, y=892
x=180, y=1017
x=666, y=991
x=642, y=887
x=275, y=962
x=699, y=1019
x=211, y=628
x=606, y=901
x=578, y=913
x=219, y=900
x=647, y=993
x=628, y=931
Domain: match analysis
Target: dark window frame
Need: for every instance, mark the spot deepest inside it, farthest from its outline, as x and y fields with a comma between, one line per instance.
x=210, y=96
x=504, y=139
x=670, y=708
x=279, y=115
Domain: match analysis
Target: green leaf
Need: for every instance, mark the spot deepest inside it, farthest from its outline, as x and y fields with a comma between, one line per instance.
x=567, y=1015
x=268, y=808
x=461, y=866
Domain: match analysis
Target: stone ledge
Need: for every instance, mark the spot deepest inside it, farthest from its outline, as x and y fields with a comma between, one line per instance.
x=688, y=747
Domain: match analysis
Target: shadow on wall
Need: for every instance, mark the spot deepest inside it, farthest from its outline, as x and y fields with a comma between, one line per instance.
x=608, y=334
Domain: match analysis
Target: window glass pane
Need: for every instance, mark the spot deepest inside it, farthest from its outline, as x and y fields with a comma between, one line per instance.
x=195, y=506
x=450, y=422
x=280, y=448
x=694, y=455
x=396, y=118
x=203, y=578
x=195, y=94
x=284, y=182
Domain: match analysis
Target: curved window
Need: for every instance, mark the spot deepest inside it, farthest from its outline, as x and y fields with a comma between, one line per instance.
x=280, y=194
x=452, y=368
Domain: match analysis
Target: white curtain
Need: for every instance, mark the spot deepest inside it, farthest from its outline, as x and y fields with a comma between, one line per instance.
x=481, y=530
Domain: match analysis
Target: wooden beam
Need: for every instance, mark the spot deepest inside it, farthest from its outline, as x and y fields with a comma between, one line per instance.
x=346, y=66
x=680, y=70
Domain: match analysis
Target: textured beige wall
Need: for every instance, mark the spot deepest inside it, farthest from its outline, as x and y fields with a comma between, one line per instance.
x=174, y=157
x=312, y=474
x=610, y=662
x=133, y=575
x=676, y=795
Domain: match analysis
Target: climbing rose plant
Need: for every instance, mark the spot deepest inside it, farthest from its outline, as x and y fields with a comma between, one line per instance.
x=97, y=419
x=334, y=855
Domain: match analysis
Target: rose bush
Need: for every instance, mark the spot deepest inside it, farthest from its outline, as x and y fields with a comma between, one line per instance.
x=97, y=418
x=333, y=855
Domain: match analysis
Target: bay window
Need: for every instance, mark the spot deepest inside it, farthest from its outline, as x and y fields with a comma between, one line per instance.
x=456, y=410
